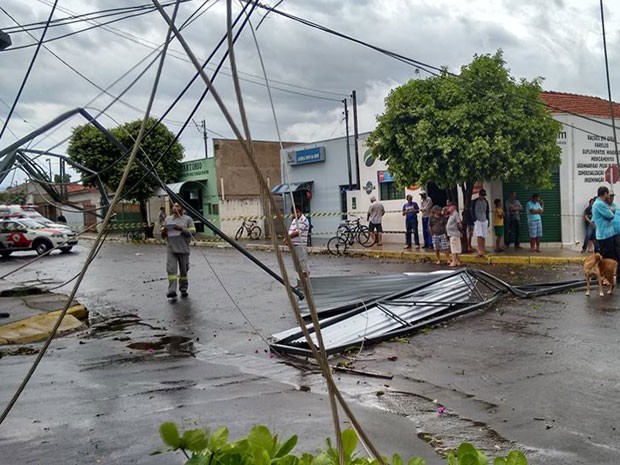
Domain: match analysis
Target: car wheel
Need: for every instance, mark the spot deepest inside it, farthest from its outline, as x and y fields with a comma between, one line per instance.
x=42, y=246
x=66, y=249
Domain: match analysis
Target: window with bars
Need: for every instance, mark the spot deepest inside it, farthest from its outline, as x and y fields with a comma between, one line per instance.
x=388, y=191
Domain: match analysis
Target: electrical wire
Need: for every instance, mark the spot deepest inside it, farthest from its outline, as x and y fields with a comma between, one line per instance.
x=431, y=69
x=99, y=239
x=25, y=79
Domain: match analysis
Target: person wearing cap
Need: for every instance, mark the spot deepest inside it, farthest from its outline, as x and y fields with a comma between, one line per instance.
x=534, y=208
x=374, y=217
x=426, y=206
x=178, y=229
x=480, y=212
x=410, y=212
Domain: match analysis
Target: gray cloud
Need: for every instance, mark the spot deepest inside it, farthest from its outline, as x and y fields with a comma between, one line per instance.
x=557, y=40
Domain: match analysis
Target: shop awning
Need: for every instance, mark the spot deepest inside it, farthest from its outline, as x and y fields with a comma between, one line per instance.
x=174, y=187
x=292, y=187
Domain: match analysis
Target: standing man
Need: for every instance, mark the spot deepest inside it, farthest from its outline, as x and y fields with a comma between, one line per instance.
x=603, y=216
x=178, y=228
x=298, y=232
x=589, y=240
x=410, y=212
x=513, y=227
x=480, y=212
x=534, y=208
x=426, y=206
x=374, y=216
x=615, y=223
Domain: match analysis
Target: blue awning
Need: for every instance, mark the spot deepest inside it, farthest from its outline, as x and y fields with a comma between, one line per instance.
x=292, y=187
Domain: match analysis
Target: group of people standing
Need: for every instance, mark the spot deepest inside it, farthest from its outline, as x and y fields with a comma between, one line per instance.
x=475, y=223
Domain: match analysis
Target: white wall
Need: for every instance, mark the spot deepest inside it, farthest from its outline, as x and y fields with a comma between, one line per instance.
x=231, y=212
x=327, y=177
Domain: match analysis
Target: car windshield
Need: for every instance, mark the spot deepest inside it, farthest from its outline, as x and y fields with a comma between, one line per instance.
x=32, y=224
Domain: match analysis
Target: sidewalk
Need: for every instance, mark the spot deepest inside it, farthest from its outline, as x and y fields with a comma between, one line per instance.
x=29, y=314
x=548, y=256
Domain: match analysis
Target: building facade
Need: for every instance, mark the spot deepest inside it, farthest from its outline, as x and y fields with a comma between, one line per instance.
x=588, y=151
x=224, y=188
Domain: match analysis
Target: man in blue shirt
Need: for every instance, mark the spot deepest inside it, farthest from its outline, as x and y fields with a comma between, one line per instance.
x=603, y=216
x=615, y=224
x=410, y=212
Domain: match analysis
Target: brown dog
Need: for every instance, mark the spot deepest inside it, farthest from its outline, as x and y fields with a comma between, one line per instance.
x=601, y=268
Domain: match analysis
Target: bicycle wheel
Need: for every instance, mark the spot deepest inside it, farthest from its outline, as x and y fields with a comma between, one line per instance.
x=363, y=236
x=255, y=232
x=337, y=245
x=342, y=231
x=239, y=233
x=129, y=235
x=139, y=236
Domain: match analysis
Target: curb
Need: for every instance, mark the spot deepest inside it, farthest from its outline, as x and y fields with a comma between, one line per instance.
x=38, y=328
x=418, y=257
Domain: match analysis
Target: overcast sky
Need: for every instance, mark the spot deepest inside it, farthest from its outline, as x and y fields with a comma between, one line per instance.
x=559, y=40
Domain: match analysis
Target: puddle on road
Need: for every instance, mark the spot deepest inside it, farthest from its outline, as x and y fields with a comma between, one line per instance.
x=101, y=325
x=174, y=345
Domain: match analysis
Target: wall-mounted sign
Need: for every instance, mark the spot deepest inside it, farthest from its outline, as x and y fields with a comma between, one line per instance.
x=303, y=157
x=384, y=176
x=369, y=187
x=195, y=170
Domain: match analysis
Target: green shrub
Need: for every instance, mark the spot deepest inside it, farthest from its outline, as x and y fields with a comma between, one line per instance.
x=260, y=447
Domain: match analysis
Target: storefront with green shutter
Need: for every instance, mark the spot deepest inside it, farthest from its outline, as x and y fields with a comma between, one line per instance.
x=552, y=218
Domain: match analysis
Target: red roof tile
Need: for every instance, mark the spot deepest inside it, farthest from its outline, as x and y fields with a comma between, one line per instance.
x=559, y=102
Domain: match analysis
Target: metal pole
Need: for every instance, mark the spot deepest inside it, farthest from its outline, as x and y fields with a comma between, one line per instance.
x=346, y=123
x=611, y=103
x=356, y=139
x=204, y=136
x=49, y=166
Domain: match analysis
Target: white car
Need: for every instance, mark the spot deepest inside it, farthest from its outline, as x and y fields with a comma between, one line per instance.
x=26, y=234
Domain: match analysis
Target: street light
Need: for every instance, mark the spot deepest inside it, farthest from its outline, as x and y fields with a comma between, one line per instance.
x=49, y=165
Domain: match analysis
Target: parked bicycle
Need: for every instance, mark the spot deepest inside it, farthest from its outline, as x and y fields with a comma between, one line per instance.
x=353, y=230
x=135, y=234
x=347, y=234
x=253, y=231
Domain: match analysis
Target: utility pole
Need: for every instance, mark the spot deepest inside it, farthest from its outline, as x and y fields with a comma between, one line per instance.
x=346, y=124
x=204, y=137
x=202, y=129
x=356, y=139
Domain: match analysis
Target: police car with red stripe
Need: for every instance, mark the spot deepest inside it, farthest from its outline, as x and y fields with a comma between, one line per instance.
x=26, y=234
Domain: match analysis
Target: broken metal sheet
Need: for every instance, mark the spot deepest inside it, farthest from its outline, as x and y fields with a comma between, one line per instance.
x=423, y=302
x=335, y=294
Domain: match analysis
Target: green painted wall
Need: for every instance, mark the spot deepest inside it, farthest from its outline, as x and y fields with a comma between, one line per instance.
x=203, y=171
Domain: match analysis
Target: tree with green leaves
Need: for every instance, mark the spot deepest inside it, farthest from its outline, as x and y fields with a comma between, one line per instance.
x=456, y=130
x=89, y=147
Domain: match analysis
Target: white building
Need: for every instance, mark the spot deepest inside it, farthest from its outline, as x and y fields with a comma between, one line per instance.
x=587, y=147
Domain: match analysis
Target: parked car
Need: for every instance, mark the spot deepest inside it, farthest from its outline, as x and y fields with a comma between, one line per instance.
x=27, y=234
x=28, y=211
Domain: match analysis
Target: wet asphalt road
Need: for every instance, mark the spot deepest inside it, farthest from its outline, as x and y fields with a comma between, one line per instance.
x=541, y=375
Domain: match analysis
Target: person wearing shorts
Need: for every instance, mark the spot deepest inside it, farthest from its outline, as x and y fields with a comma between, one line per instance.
x=480, y=212
x=534, y=208
x=437, y=230
x=374, y=217
x=498, y=224
x=453, y=229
